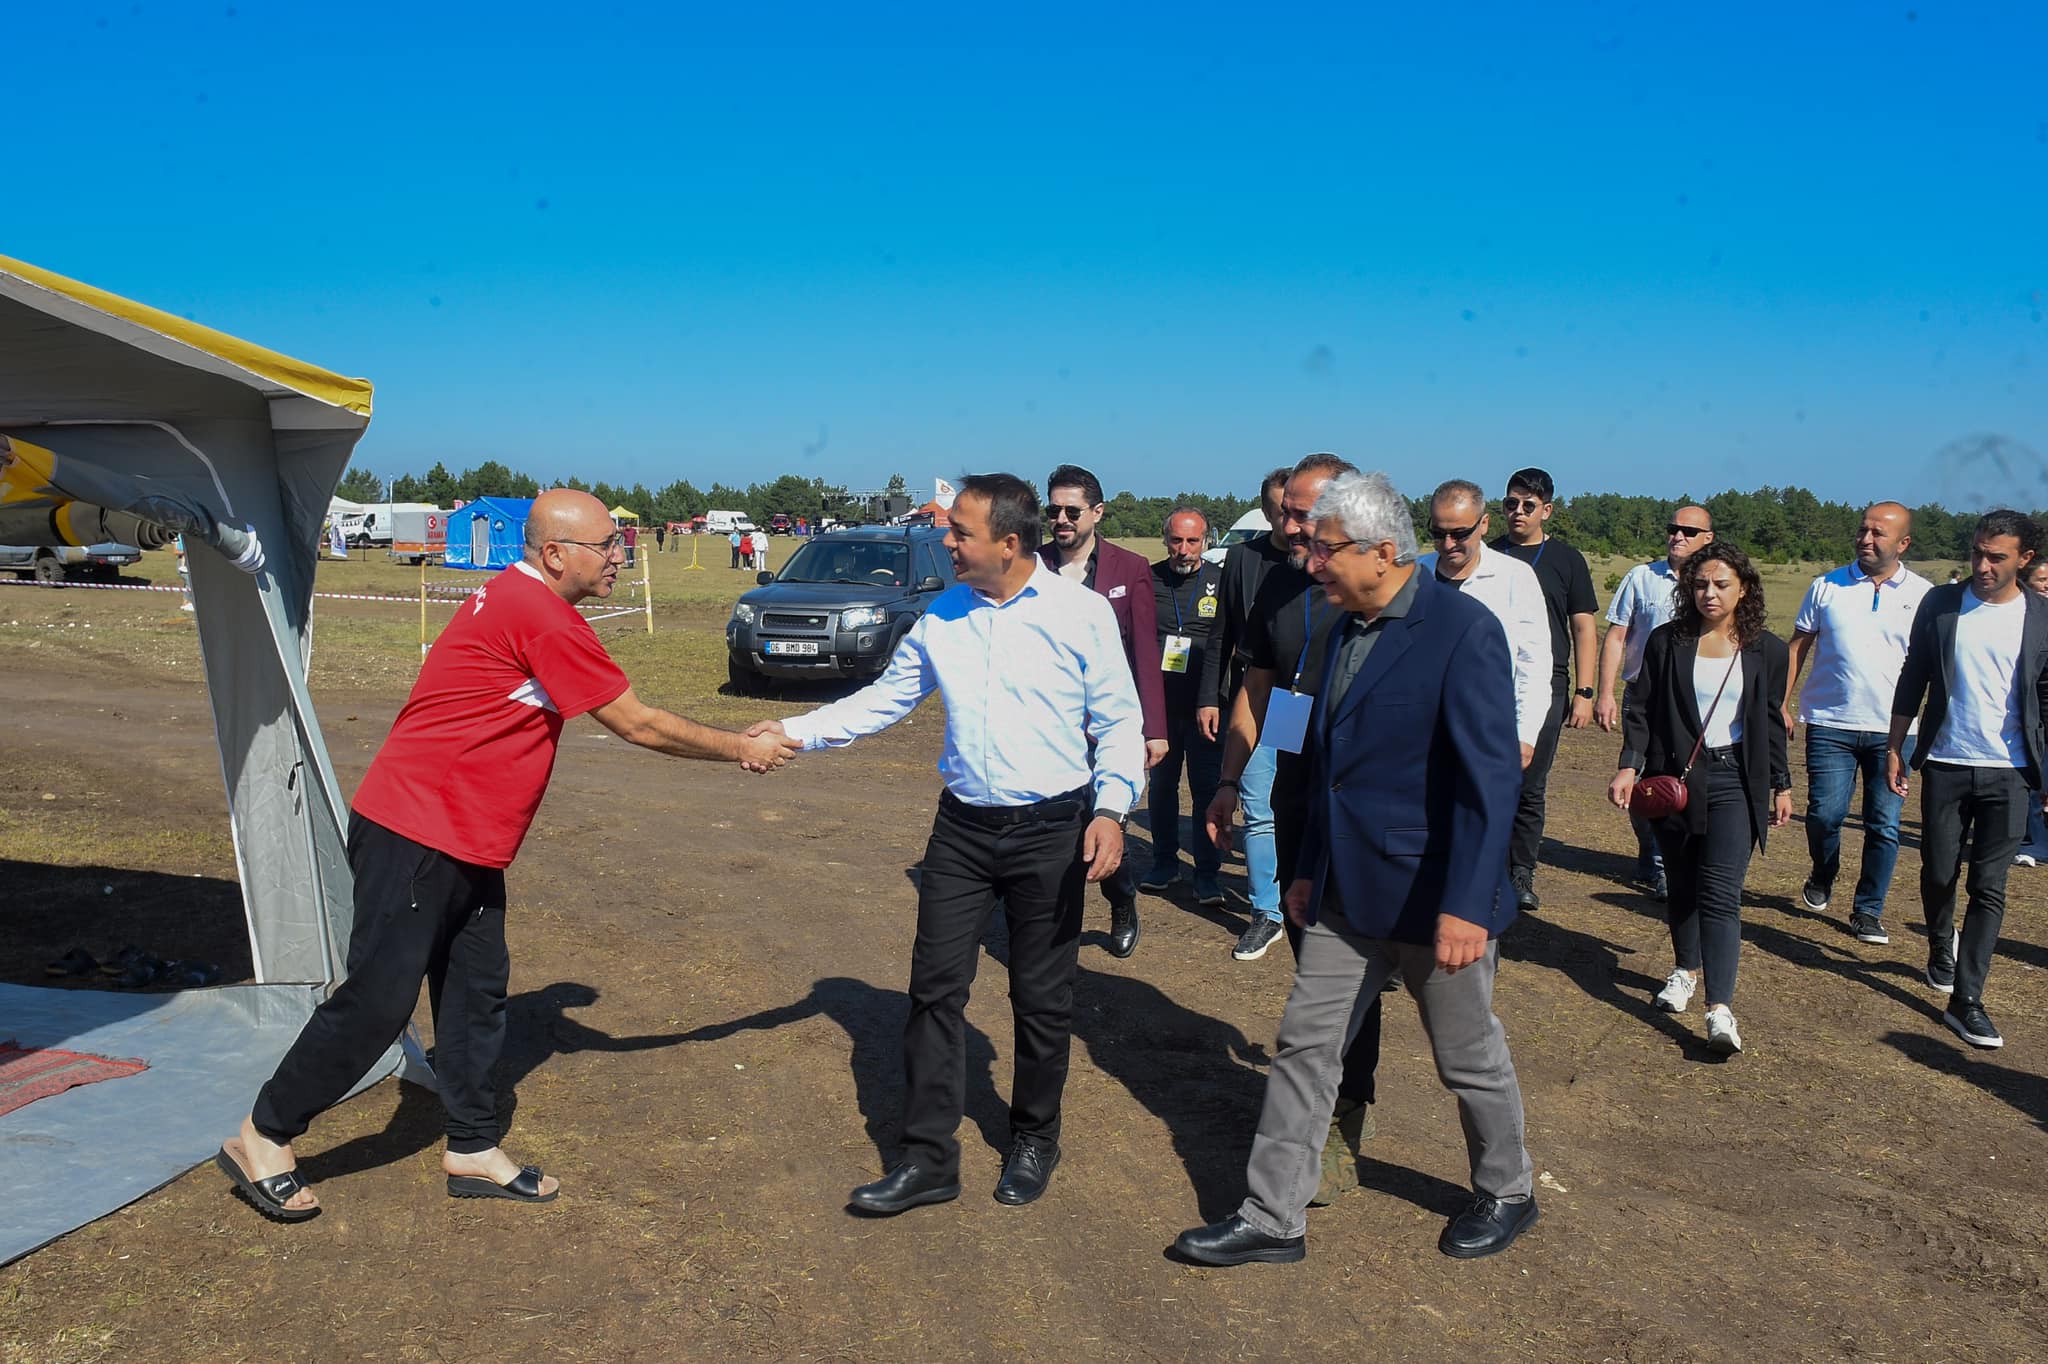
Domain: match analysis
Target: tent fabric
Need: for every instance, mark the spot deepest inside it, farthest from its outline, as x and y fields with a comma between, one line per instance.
x=624, y=513
x=126, y=408
x=489, y=533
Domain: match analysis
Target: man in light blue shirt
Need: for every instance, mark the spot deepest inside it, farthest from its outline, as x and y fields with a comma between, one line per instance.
x=1643, y=602
x=1044, y=755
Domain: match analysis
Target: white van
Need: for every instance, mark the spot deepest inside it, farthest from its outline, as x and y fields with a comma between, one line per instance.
x=726, y=522
x=1250, y=526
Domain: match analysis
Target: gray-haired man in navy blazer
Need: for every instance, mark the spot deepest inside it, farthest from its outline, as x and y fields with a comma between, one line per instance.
x=1415, y=781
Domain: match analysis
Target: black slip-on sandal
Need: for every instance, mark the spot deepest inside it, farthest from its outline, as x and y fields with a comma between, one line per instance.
x=523, y=1188
x=268, y=1195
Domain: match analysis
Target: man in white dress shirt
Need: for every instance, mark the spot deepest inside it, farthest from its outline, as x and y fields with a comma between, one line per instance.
x=1032, y=671
x=1855, y=623
x=1503, y=585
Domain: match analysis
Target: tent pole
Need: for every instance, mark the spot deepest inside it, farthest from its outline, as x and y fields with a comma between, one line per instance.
x=647, y=588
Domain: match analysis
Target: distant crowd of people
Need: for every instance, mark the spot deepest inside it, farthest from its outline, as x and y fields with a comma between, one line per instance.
x=1382, y=721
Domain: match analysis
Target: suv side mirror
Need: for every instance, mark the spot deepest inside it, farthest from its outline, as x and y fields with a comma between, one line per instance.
x=931, y=584
x=764, y=577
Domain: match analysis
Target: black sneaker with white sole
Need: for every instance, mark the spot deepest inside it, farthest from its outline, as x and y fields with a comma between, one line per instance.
x=1868, y=928
x=1814, y=895
x=1256, y=938
x=1966, y=1019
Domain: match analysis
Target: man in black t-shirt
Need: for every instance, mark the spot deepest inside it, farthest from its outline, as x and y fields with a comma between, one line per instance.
x=1186, y=591
x=1288, y=625
x=1572, y=610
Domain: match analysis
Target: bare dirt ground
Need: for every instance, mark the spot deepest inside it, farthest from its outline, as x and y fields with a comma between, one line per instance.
x=707, y=978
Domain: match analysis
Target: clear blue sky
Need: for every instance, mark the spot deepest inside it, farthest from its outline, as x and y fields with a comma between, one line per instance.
x=1653, y=247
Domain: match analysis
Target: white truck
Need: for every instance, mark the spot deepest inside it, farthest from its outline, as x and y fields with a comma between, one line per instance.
x=373, y=524
x=726, y=522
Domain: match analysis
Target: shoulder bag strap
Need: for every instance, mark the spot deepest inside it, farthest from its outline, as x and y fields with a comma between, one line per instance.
x=1710, y=715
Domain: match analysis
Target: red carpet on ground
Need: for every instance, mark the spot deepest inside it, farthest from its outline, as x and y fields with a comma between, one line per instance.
x=31, y=1073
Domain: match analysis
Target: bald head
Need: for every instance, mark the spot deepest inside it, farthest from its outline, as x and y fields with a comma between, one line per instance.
x=1882, y=539
x=1690, y=530
x=565, y=514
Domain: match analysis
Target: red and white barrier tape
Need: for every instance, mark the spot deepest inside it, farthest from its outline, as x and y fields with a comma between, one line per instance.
x=439, y=598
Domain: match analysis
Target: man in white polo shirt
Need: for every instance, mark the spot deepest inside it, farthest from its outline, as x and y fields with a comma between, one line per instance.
x=1641, y=604
x=1980, y=658
x=1855, y=623
x=1502, y=584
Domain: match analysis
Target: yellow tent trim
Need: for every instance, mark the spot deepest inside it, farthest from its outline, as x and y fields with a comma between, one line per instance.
x=351, y=395
x=624, y=513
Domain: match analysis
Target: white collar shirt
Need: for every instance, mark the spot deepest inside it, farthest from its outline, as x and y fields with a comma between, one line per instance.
x=1511, y=590
x=1038, y=693
x=1860, y=628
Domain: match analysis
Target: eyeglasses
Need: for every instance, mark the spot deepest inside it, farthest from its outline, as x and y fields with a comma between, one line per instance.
x=1512, y=505
x=1058, y=513
x=607, y=548
x=1327, y=549
x=1686, y=531
x=1453, y=533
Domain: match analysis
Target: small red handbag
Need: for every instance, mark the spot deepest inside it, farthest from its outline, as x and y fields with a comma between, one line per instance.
x=1662, y=797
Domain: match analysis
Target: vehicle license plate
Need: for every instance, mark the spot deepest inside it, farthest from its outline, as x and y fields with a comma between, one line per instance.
x=792, y=646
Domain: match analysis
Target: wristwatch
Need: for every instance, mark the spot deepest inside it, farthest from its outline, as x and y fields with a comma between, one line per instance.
x=1584, y=693
x=1123, y=821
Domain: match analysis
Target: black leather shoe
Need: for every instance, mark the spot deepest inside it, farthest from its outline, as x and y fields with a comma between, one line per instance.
x=1234, y=1241
x=1488, y=1227
x=1026, y=1173
x=907, y=1186
x=1123, y=929
x=1526, y=901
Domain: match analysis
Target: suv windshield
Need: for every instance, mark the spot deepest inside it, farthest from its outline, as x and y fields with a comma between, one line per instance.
x=849, y=561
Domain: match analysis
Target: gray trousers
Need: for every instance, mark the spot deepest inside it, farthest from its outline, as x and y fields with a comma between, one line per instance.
x=1336, y=977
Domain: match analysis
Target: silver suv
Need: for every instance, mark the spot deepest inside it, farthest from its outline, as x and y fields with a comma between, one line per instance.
x=838, y=607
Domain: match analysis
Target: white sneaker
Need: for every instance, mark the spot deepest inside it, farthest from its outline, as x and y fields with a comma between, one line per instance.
x=1677, y=991
x=2024, y=860
x=1721, y=1034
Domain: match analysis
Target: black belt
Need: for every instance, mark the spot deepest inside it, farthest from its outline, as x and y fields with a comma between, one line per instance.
x=1066, y=806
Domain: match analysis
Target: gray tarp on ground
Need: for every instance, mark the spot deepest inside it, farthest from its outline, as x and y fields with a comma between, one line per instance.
x=124, y=407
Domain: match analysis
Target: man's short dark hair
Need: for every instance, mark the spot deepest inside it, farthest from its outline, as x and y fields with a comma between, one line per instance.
x=1277, y=479
x=1074, y=476
x=1533, y=480
x=1327, y=464
x=2006, y=521
x=1012, y=506
x=1185, y=510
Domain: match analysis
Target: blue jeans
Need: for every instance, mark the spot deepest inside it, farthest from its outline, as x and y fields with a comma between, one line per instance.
x=2036, y=845
x=1261, y=858
x=1203, y=759
x=1834, y=757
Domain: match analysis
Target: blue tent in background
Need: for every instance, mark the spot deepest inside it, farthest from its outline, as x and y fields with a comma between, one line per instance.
x=488, y=533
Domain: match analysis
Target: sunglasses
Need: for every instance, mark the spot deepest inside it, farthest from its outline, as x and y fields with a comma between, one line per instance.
x=1320, y=550
x=1064, y=513
x=1452, y=532
x=1512, y=505
x=1687, y=531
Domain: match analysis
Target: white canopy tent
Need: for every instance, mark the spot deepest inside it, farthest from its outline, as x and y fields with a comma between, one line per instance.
x=110, y=410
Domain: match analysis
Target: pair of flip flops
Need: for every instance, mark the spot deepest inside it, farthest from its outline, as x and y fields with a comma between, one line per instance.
x=524, y=1187
x=269, y=1195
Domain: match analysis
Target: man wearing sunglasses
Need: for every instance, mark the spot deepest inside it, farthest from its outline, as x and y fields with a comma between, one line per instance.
x=429, y=858
x=1503, y=585
x=1641, y=604
x=1572, y=610
x=1073, y=509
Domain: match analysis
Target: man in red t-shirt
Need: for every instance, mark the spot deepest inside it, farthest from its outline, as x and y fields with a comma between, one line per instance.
x=429, y=856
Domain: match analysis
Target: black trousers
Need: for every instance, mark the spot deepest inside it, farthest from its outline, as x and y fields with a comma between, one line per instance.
x=1362, y=1057
x=1034, y=866
x=419, y=913
x=1705, y=874
x=1985, y=808
x=1527, y=838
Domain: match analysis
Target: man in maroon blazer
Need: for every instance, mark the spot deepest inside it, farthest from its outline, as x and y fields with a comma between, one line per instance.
x=1073, y=505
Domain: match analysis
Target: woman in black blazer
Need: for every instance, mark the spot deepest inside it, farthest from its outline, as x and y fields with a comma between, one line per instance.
x=1739, y=788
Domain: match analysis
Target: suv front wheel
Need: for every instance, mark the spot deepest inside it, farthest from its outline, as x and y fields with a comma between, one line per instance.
x=48, y=569
x=742, y=680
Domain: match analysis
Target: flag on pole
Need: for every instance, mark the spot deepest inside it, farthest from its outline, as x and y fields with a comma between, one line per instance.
x=943, y=493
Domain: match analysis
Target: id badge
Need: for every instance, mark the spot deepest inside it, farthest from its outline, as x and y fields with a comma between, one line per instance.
x=1286, y=723
x=1173, y=657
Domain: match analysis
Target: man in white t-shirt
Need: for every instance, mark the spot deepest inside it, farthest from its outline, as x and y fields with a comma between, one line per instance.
x=1979, y=655
x=1503, y=585
x=1855, y=623
x=1641, y=604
